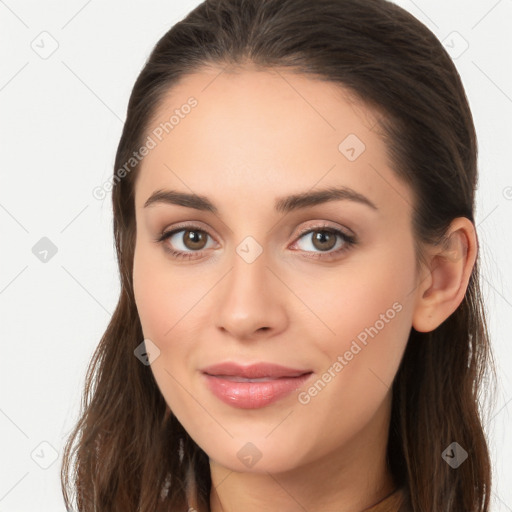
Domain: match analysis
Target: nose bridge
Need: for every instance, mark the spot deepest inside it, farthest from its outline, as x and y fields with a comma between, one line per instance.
x=249, y=299
x=249, y=273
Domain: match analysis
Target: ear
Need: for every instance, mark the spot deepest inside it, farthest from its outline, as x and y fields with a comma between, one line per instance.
x=444, y=278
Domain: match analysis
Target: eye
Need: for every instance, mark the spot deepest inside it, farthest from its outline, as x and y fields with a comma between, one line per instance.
x=327, y=240
x=185, y=242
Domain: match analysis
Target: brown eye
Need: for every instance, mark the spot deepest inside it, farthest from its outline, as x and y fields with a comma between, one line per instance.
x=194, y=239
x=323, y=240
x=185, y=241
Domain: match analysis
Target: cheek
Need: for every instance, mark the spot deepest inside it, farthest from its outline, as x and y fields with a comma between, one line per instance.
x=161, y=296
x=368, y=310
x=376, y=301
x=162, y=312
x=371, y=291
x=170, y=303
x=150, y=300
x=371, y=319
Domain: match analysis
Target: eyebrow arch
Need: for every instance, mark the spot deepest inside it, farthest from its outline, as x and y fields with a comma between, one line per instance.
x=281, y=205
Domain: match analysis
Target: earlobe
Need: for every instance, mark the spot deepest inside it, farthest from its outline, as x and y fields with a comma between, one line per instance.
x=445, y=280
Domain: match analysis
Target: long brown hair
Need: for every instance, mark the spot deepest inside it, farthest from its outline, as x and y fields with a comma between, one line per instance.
x=128, y=451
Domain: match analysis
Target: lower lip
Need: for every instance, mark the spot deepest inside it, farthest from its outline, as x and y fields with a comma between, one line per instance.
x=253, y=395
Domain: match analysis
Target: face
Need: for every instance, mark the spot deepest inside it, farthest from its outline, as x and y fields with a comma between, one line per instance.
x=257, y=273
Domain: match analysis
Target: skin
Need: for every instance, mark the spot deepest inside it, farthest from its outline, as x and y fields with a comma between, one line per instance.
x=253, y=137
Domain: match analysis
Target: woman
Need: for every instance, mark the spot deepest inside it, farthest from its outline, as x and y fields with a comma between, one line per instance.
x=300, y=325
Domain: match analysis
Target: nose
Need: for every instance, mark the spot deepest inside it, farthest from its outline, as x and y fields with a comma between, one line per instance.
x=251, y=300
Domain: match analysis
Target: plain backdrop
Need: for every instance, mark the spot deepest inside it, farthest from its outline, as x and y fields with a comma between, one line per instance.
x=66, y=72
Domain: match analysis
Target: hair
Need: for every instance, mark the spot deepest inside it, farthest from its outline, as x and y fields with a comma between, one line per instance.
x=128, y=451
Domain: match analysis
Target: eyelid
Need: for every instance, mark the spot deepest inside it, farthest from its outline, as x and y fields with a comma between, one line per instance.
x=187, y=224
x=323, y=224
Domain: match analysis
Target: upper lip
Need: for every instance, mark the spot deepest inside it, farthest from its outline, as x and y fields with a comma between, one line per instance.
x=253, y=371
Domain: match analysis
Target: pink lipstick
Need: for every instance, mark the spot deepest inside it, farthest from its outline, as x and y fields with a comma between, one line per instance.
x=255, y=385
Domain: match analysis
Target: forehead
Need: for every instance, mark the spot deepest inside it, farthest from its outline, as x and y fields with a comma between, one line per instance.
x=252, y=131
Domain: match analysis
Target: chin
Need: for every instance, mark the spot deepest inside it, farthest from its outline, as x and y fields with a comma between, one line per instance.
x=258, y=455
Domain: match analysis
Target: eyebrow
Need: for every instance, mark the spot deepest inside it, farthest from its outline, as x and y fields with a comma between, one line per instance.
x=282, y=204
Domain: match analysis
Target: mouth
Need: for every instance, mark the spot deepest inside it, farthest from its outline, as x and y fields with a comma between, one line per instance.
x=254, y=371
x=237, y=378
x=245, y=390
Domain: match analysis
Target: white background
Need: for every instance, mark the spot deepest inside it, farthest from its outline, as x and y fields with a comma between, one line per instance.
x=60, y=123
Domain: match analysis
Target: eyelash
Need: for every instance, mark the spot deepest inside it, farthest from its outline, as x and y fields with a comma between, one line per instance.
x=349, y=241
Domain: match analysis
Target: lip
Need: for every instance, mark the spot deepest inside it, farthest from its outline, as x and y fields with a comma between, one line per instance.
x=229, y=383
x=253, y=371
